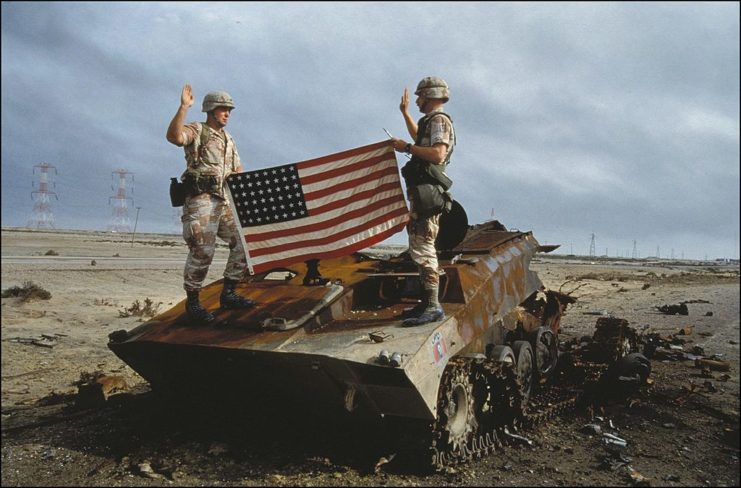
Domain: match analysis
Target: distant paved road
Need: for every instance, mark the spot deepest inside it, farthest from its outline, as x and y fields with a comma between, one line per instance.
x=83, y=261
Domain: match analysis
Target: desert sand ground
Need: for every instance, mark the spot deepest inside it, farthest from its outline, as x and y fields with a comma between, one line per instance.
x=682, y=431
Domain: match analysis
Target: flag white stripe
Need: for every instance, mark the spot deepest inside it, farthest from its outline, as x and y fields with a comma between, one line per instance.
x=345, y=194
x=332, y=246
x=339, y=195
x=359, y=174
x=335, y=229
x=339, y=163
x=292, y=224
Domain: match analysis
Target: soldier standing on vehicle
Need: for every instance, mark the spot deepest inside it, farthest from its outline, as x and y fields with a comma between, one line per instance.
x=211, y=155
x=424, y=174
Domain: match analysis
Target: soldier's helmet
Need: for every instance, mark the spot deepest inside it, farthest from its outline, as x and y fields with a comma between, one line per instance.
x=216, y=99
x=433, y=87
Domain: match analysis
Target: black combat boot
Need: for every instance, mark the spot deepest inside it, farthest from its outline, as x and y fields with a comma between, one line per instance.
x=432, y=313
x=195, y=311
x=416, y=311
x=229, y=299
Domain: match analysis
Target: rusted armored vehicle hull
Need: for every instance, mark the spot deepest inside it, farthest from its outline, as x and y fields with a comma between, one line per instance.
x=332, y=335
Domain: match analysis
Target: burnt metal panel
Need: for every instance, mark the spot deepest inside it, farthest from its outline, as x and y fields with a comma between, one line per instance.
x=476, y=295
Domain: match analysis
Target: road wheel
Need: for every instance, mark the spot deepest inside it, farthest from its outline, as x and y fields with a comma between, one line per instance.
x=545, y=352
x=524, y=366
x=503, y=354
x=456, y=422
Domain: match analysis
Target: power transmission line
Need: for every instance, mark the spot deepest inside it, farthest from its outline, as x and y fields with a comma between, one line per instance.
x=592, y=247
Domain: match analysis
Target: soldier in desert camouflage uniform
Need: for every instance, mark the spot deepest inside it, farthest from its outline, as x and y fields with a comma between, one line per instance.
x=211, y=156
x=434, y=139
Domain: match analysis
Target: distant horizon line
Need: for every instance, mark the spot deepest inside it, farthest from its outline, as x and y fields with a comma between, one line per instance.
x=129, y=235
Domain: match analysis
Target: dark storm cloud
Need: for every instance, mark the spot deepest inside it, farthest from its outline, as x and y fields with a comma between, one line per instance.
x=619, y=119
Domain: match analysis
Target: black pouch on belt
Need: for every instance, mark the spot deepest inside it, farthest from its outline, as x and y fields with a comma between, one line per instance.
x=428, y=199
x=177, y=192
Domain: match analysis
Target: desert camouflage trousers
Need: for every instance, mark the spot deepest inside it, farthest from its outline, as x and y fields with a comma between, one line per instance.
x=422, y=235
x=206, y=217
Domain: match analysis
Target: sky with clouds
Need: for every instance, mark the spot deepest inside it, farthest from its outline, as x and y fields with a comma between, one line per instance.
x=613, y=119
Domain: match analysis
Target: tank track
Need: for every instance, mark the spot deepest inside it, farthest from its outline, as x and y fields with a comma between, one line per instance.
x=497, y=408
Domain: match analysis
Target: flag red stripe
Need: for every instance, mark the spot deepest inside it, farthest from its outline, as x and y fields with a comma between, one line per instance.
x=349, y=184
x=318, y=226
x=394, y=185
x=343, y=170
x=341, y=155
x=328, y=239
x=259, y=268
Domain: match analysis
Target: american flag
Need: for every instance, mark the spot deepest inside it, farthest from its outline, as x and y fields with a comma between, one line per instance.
x=317, y=209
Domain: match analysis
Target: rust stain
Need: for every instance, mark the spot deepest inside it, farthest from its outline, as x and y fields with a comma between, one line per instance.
x=476, y=293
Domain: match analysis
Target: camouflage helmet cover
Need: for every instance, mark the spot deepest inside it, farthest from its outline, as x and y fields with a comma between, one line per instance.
x=216, y=99
x=433, y=87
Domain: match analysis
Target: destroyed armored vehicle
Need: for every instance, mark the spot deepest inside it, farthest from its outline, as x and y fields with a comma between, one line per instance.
x=330, y=332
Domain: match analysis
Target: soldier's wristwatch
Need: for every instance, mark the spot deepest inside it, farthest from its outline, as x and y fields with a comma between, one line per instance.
x=408, y=148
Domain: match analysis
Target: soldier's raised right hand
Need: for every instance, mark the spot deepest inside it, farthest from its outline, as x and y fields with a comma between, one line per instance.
x=186, y=98
x=404, y=104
